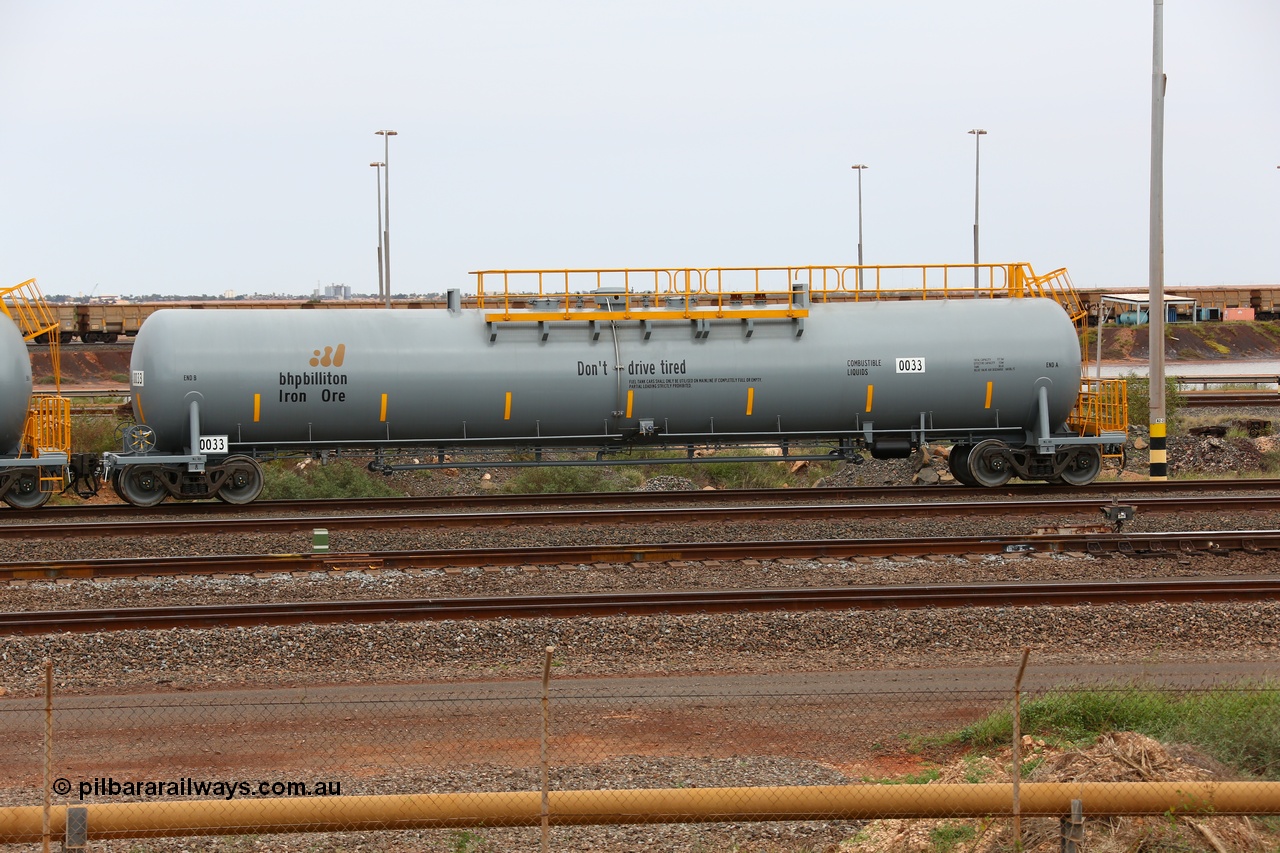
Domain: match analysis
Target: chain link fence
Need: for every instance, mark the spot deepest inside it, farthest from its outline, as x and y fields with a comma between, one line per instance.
x=716, y=763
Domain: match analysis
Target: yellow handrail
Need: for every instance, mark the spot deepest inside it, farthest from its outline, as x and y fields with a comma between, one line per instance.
x=880, y=281
x=641, y=292
x=1102, y=406
x=1057, y=285
x=25, y=305
x=48, y=425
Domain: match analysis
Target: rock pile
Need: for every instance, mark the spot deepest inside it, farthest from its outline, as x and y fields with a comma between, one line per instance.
x=1211, y=456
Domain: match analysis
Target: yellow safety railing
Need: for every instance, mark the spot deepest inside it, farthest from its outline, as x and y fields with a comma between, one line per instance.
x=25, y=305
x=48, y=426
x=633, y=293
x=1103, y=406
x=1057, y=286
x=604, y=294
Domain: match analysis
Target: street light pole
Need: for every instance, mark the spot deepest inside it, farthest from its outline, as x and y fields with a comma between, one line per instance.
x=978, y=133
x=1158, y=452
x=386, y=201
x=378, y=182
x=859, y=169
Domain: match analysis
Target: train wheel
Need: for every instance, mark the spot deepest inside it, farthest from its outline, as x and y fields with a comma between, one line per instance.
x=25, y=493
x=958, y=462
x=989, y=464
x=1084, y=466
x=244, y=480
x=140, y=485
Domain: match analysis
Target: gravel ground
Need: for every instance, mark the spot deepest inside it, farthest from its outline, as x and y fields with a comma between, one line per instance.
x=747, y=643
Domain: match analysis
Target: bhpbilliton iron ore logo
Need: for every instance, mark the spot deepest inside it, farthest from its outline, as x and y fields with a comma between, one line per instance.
x=331, y=357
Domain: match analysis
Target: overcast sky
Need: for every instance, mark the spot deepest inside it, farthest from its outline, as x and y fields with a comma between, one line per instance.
x=197, y=147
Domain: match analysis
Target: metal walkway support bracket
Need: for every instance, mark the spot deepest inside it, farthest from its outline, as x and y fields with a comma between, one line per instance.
x=1073, y=828
x=77, y=835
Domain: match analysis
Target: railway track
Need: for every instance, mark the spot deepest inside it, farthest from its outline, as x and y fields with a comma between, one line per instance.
x=625, y=514
x=642, y=604
x=51, y=516
x=1231, y=398
x=1133, y=545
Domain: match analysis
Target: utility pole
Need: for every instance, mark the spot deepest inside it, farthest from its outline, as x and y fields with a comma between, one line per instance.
x=1155, y=296
x=386, y=201
x=978, y=133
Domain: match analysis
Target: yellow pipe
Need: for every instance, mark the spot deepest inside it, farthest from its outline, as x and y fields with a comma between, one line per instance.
x=22, y=824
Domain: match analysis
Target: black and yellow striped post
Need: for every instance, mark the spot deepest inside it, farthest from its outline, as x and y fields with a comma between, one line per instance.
x=1159, y=459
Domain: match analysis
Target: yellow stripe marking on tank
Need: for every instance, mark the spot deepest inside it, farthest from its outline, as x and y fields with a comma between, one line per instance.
x=506, y=413
x=751, y=399
x=257, y=407
x=631, y=397
x=137, y=399
x=988, y=395
x=382, y=416
x=870, y=389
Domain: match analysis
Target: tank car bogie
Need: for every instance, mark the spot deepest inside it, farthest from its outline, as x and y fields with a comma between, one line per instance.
x=238, y=480
x=21, y=487
x=1079, y=466
x=990, y=463
x=141, y=485
x=147, y=482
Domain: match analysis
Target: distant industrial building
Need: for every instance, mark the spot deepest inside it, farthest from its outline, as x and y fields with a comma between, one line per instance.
x=334, y=291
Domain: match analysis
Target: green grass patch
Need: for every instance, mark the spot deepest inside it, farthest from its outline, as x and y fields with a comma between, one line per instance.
x=558, y=479
x=95, y=433
x=922, y=777
x=1139, y=393
x=948, y=836
x=761, y=471
x=1204, y=333
x=1268, y=328
x=976, y=769
x=1238, y=726
x=286, y=480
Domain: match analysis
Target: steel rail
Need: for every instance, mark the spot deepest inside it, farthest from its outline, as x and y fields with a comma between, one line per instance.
x=51, y=514
x=643, y=604
x=633, y=515
x=1137, y=544
x=1230, y=399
